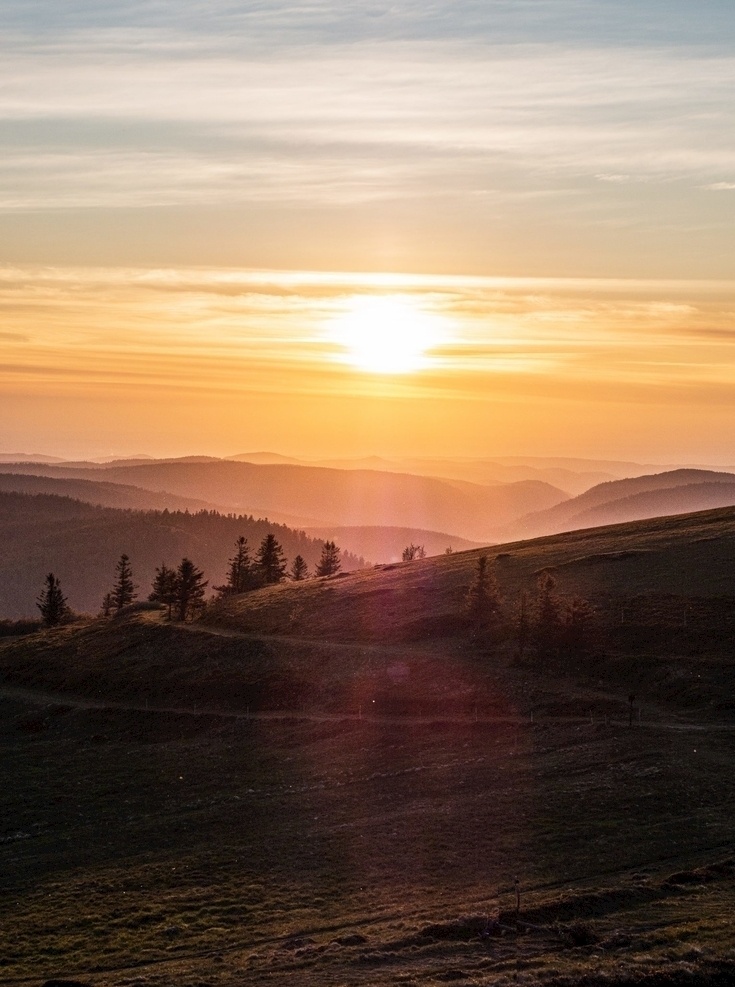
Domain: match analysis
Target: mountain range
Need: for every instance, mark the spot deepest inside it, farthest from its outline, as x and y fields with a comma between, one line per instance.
x=660, y=494
x=375, y=512
x=308, y=496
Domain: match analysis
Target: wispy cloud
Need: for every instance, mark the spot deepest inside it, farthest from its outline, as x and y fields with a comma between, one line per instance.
x=456, y=134
x=212, y=356
x=388, y=119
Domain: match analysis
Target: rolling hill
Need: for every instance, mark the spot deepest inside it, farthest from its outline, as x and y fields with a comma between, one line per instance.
x=334, y=782
x=690, y=555
x=101, y=493
x=657, y=495
x=320, y=496
x=573, y=475
x=381, y=544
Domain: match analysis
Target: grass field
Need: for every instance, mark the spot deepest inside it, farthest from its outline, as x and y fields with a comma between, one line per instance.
x=321, y=801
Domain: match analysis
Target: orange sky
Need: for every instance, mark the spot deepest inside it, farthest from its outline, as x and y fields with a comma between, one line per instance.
x=168, y=362
x=557, y=177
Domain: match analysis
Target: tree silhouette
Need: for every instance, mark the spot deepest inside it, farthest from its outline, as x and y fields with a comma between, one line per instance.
x=239, y=573
x=299, y=569
x=548, y=626
x=52, y=603
x=269, y=561
x=483, y=597
x=411, y=552
x=164, y=588
x=123, y=592
x=523, y=625
x=330, y=561
x=107, y=604
x=190, y=585
x=577, y=625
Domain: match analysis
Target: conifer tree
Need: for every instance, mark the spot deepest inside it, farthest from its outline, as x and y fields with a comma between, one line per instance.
x=577, y=626
x=164, y=588
x=190, y=586
x=330, y=562
x=123, y=592
x=483, y=597
x=548, y=625
x=107, y=604
x=299, y=569
x=523, y=625
x=269, y=561
x=239, y=573
x=52, y=603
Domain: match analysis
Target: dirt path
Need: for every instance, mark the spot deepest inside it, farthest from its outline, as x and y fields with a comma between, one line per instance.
x=363, y=647
x=39, y=697
x=658, y=716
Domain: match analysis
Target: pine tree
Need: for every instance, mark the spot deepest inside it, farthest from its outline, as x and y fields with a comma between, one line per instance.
x=483, y=597
x=299, y=569
x=123, y=592
x=577, y=626
x=548, y=626
x=164, y=588
x=330, y=562
x=239, y=573
x=269, y=562
x=523, y=626
x=52, y=603
x=107, y=604
x=190, y=586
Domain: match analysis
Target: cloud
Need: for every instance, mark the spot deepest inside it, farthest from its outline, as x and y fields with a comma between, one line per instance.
x=138, y=126
x=637, y=22
x=719, y=186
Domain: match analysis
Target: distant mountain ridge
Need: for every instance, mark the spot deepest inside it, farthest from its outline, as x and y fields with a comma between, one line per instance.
x=345, y=498
x=678, y=491
x=100, y=493
x=383, y=544
x=570, y=474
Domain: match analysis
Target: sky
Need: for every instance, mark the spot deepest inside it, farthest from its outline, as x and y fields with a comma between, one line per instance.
x=348, y=228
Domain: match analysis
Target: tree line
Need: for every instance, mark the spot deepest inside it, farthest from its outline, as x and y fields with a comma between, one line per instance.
x=546, y=621
x=182, y=589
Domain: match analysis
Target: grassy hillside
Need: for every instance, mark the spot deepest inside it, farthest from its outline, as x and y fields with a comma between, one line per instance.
x=684, y=556
x=342, y=786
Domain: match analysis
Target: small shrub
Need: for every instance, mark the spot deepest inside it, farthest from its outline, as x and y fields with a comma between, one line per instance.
x=577, y=934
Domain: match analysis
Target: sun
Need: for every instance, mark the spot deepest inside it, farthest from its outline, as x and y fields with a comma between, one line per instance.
x=386, y=334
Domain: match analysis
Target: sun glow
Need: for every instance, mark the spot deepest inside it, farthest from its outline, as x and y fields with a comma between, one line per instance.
x=387, y=334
